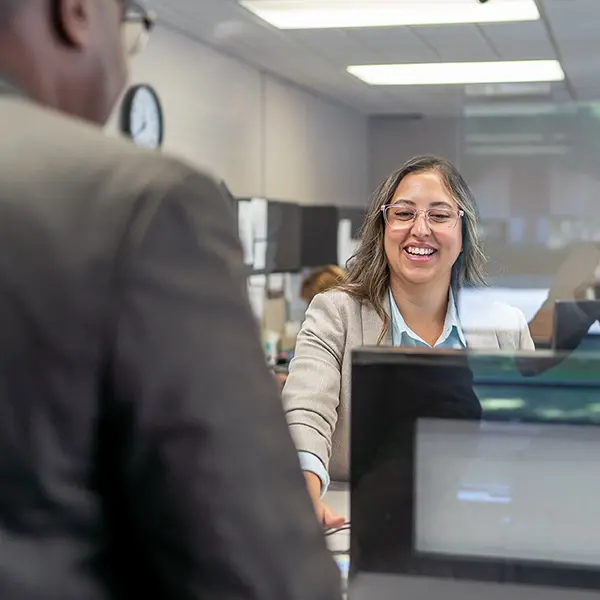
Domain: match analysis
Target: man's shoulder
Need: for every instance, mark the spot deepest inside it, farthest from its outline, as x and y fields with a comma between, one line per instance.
x=68, y=146
x=120, y=154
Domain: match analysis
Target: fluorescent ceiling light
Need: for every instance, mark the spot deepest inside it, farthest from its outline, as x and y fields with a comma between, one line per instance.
x=324, y=14
x=459, y=73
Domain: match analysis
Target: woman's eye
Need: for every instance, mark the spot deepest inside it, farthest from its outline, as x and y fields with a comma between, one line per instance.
x=440, y=216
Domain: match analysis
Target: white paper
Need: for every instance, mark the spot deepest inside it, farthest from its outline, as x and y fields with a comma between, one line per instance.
x=259, y=218
x=256, y=294
x=260, y=255
x=257, y=281
x=246, y=231
x=275, y=283
x=344, y=241
x=291, y=287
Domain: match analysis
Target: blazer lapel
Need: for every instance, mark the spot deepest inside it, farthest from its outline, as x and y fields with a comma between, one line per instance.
x=372, y=325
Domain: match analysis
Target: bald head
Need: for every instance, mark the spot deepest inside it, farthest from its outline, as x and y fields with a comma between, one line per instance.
x=66, y=54
x=7, y=9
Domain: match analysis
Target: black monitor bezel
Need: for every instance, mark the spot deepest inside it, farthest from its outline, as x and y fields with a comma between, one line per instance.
x=508, y=571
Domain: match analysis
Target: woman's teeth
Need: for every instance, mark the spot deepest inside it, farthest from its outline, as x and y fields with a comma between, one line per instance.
x=420, y=251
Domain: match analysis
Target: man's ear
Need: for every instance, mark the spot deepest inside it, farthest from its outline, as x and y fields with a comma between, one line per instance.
x=72, y=21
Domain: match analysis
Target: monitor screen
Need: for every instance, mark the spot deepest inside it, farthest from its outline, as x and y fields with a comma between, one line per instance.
x=510, y=491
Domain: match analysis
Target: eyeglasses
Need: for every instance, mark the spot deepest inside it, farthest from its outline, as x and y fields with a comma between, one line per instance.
x=438, y=219
x=138, y=22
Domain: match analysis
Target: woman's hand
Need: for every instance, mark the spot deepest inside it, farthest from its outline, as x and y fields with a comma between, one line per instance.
x=280, y=378
x=325, y=515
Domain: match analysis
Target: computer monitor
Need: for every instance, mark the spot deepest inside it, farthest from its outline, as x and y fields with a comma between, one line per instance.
x=576, y=323
x=319, y=236
x=464, y=469
x=284, y=234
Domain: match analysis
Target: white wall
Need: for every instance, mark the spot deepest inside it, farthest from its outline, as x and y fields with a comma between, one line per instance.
x=394, y=140
x=263, y=136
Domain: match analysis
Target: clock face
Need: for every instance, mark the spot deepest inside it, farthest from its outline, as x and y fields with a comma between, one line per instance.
x=143, y=120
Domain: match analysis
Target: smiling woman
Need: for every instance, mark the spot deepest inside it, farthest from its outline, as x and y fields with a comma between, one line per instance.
x=428, y=211
x=419, y=245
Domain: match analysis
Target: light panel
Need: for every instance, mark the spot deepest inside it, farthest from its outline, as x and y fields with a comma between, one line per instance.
x=324, y=14
x=459, y=73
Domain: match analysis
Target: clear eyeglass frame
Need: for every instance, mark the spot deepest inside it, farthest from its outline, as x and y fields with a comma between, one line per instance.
x=137, y=24
x=451, y=217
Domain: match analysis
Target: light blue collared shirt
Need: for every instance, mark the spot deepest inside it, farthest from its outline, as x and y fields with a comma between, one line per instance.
x=452, y=337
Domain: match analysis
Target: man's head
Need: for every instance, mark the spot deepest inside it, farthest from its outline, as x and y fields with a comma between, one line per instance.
x=67, y=54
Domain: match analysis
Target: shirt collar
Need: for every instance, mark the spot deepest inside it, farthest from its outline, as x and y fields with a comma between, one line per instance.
x=451, y=322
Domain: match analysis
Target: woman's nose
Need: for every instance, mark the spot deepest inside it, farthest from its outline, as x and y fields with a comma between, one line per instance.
x=421, y=225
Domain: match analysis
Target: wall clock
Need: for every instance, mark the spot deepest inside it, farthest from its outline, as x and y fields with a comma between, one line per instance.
x=142, y=117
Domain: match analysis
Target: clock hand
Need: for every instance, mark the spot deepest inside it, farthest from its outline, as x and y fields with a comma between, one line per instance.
x=141, y=129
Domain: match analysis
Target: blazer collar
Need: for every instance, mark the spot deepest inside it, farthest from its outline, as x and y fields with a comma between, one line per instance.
x=372, y=325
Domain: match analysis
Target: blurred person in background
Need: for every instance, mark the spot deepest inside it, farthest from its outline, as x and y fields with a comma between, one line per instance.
x=320, y=280
x=576, y=279
x=132, y=464
x=419, y=245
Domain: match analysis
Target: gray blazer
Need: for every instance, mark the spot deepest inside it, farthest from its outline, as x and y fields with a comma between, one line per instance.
x=316, y=396
x=137, y=451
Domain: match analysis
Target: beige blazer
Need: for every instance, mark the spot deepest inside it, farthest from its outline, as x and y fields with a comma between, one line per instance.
x=316, y=396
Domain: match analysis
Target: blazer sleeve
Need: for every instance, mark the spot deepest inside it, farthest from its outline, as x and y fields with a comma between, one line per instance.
x=525, y=340
x=212, y=494
x=312, y=391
